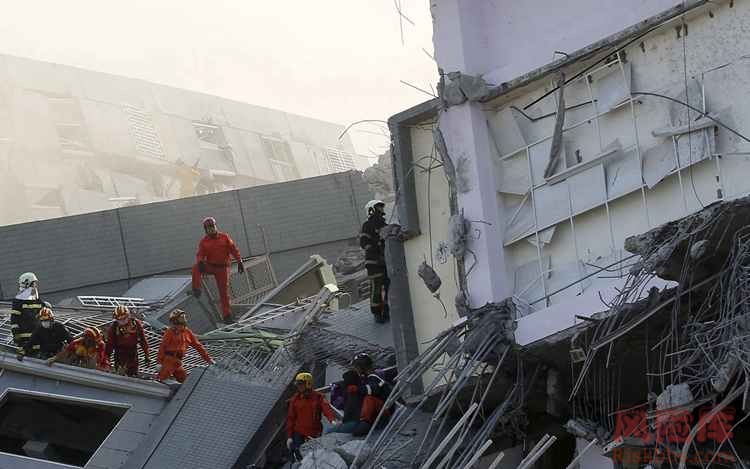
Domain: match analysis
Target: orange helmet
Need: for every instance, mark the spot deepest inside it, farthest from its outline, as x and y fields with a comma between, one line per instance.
x=46, y=314
x=121, y=312
x=93, y=334
x=178, y=316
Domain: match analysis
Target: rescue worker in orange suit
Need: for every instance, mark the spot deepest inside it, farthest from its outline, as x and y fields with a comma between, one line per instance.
x=86, y=351
x=214, y=258
x=48, y=338
x=25, y=310
x=374, y=390
x=174, y=345
x=303, y=416
x=123, y=338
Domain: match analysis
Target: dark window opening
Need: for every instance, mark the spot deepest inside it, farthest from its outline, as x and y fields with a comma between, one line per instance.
x=54, y=429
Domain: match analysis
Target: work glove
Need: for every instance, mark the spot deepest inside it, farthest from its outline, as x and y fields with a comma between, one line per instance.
x=51, y=361
x=240, y=268
x=289, y=444
x=201, y=267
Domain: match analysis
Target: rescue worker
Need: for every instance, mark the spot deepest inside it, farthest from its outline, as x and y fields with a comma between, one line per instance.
x=374, y=247
x=25, y=310
x=306, y=407
x=351, y=404
x=213, y=258
x=86, y=351
x=123, y=338
x=49, y=338
x=375, y=391
x=174, y=345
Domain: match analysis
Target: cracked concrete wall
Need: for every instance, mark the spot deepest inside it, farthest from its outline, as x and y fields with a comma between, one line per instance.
x=586, y=215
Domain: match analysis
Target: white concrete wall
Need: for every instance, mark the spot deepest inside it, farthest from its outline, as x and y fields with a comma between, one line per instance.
x=434, y=212
x=594, y=212
x=502, y=39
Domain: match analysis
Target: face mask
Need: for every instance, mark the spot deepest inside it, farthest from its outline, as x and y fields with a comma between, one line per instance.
x=46, y=324
x=122, y=322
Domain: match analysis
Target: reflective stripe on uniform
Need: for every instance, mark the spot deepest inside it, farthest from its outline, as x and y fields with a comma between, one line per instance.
x=15, y=313
x=365, y=235
x=23, y=336
x=14, y=326
x=36, y=347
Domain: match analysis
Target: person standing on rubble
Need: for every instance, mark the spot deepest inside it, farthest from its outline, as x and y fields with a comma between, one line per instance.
x=123, y=338
x=374, y=247
x=87, y=351
x=306, y=407
x=214, y=258
x=174, y=346
x=25, y=309
x=374, y=391
x=48, y=338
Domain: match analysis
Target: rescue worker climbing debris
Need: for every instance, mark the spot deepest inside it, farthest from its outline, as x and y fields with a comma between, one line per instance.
x=49, y=338
x=86, y=351
x=123, y=338
x=25, y=309
x=174, y=345
x=374, y=247
x=304, y=413
x=375, y=391
x=214, y=258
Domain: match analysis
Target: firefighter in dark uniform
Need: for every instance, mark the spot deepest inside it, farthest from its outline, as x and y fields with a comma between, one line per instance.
x=48, y=338
x=374, y=247
x=25, y=310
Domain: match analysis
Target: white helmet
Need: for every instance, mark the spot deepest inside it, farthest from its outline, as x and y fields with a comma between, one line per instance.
x=26, y=279
x=371, y=205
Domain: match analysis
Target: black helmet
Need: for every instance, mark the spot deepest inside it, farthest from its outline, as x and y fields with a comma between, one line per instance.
x=362, y=360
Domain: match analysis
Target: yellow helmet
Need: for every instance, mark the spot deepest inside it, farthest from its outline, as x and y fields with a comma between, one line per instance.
x=46, y=314
x=121, y=312
x=178, y=316
x=306, y=378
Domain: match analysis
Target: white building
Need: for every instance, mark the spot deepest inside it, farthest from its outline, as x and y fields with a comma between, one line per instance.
x=630, y=154
x=75, y=141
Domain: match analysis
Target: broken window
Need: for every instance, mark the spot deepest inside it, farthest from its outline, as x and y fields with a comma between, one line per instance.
x=280, y=156
x=66, y=114
x=54, y=428
x=216, y=153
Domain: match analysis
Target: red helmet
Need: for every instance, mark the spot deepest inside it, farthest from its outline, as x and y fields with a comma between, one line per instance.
x=121, y=312
x=209, y=221
x=93, y=334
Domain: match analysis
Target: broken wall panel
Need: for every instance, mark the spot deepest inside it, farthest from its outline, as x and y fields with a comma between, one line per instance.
x=587, y=189
x=622, y=173
x=505, y=131
x=611, y=87
x=512, y=174
x=521, y=216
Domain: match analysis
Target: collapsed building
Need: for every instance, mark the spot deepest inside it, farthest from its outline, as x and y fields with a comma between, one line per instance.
x=569, y=267
x=95, y=141
x=290, y=314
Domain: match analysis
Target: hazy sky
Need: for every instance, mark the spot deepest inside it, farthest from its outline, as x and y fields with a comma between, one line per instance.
x=336, y=60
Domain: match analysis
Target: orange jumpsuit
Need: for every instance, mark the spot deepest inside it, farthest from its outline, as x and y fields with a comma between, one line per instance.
x=80, y=355
x=303, y=416
x=173, y=347
x=215, y=252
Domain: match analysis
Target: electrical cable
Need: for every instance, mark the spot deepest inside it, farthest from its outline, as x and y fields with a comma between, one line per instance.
x=687, y=99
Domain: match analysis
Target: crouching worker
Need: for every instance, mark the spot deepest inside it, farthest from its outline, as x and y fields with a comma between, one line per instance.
x=174, y=345
x=49, y=337
x=123, y=338
x=306, y=407
x=351, y=403
x=374, y=391
x=87, y=351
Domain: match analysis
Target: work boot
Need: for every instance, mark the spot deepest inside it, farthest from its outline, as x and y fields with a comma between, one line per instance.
x=197, y=292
